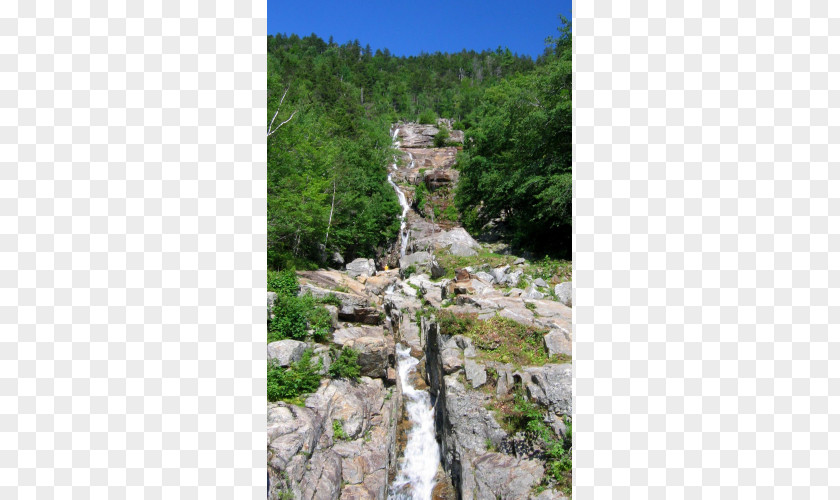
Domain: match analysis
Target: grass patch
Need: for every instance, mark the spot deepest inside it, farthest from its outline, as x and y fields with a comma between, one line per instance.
x=483, y=258
x=330, y=299
x=499, y=339
x=547, y=268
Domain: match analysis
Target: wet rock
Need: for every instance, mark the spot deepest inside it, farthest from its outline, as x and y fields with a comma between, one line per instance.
x=286, y=352
x=563, y=291
x=376, y=285
x=361, y=267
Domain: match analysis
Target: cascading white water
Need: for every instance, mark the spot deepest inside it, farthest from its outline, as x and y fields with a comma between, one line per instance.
x=416, y=478
x=404, y=205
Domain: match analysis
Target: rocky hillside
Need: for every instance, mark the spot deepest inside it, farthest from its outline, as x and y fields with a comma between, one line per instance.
x=493, y=334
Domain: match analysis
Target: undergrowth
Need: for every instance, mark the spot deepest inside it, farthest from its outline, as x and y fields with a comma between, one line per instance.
x=499, y=339
x=290, y=384
x=345, y=365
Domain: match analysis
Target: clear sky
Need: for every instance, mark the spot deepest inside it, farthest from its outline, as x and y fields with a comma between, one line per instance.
x=409, y=27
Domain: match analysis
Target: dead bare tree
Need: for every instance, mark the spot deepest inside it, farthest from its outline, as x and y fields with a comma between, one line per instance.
x=287, y=120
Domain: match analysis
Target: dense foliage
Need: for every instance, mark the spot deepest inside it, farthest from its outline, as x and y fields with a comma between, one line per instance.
x=345, y=364
x=288, y=383
x=295, y=317
x=517, y=164
x=327, y=165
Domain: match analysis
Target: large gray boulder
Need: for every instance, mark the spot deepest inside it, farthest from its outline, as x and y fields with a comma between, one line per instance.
x=375, y=355
x=475, y=373
x=423, y=262
x=286, y=352
x=456, y=241
x=496, y=475
x=550, y=386
x=558, y=342
x=499, y=274
x=361, y=267
x=563, y=291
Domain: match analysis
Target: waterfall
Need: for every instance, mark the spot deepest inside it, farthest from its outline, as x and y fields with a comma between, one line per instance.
x=404, y=205
x=416, y=478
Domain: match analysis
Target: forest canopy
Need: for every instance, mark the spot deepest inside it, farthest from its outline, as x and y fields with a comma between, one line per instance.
x=327, y=165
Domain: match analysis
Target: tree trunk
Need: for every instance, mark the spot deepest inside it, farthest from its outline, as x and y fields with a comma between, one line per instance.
x=329, y=224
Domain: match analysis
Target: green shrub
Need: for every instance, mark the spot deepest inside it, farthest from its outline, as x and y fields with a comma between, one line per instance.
x=459, y=125
x=346, y=365
x=427, y=117
x=450, y=213
x=283, y=282
x=294, y=316
x=290, y=315
x=338, y=430
x=420, y=192
x=441, y=137
x=409, y=271
x=289, y=383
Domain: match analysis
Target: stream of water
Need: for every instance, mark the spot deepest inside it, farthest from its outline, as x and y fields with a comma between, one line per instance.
x=402, y=198
x=416, y=477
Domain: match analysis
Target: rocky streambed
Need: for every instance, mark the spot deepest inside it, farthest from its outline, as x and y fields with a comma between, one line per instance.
x=434, y=412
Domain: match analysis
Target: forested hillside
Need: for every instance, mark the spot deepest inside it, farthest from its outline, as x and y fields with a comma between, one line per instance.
x=327, y=165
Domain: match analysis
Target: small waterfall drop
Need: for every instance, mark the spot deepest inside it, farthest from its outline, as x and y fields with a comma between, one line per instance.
x=404, y=205
x=416, y=477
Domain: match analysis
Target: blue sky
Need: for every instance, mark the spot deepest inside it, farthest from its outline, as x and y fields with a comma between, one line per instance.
x=409, y=27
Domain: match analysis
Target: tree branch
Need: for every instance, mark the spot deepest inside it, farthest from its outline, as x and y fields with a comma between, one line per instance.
x=278, y=112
